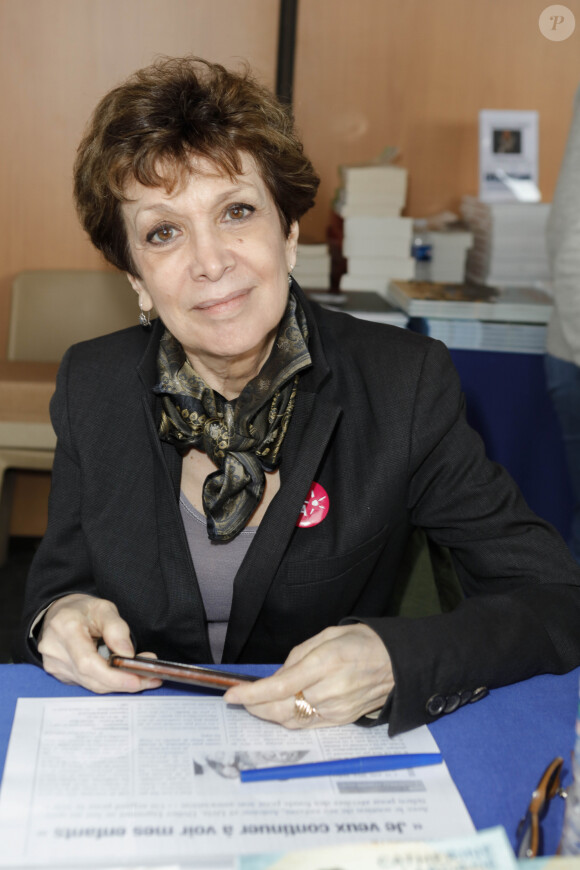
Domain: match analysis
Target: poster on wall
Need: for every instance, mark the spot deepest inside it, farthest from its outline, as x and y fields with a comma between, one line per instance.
x=508, y=156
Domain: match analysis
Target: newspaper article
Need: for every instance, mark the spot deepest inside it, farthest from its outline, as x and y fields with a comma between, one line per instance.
x=145, y=779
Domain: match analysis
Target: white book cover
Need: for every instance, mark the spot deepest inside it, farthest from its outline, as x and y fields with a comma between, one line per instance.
x=312, y=250
x=379, y=265
x=313, y=281
x=375, y=247
x=371, y=178
x=447, y=274
x=481, y=335
x=456, y=240
x=311, y=266
x=390, y=227
x=366, y=208
x=378, y=283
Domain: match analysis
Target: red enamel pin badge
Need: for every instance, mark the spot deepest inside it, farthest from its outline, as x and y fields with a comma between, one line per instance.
x=314, y=508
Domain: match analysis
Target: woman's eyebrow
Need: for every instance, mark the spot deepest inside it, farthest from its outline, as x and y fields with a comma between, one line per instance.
x=234, y=192
x=238, y=190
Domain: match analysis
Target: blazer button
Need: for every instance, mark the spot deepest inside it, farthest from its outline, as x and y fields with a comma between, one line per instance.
x=465, y=696
x=435, y=705
x=478, y=694
x=453, y=702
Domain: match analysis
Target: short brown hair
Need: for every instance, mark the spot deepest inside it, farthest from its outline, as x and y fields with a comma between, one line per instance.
x=148, y=128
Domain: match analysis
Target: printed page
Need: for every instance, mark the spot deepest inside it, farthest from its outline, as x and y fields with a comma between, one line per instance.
x=156, y=779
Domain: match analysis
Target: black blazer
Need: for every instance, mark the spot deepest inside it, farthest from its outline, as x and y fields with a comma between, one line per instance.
x=379, y=423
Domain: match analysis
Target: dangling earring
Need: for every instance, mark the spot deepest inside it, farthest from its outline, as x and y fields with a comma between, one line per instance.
x=290, y=276
x=144, y=316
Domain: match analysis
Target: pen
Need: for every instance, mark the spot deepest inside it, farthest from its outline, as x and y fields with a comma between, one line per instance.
x=340, y=766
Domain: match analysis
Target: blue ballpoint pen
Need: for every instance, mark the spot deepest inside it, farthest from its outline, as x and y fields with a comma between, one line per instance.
x=340, y=766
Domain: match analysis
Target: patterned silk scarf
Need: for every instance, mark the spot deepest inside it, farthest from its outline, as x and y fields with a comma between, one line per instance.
x=243, y=436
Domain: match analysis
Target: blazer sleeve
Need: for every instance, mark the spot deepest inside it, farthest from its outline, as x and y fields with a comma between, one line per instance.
x=61, y=564
x=521, y=613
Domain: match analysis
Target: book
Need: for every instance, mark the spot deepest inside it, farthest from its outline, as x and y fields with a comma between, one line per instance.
x=448, y=253
x=509, y=242
x=364, y=304
x=471, y=301
x=488, y=849
x=370, y=180
x=364, y=226
x=313, y=266
x=483, y=335
x=375, y=247
x=312, y=251
x=395, y=267
x=373, y=189
x=368, y=208
x=380, y=266
x=375, y=240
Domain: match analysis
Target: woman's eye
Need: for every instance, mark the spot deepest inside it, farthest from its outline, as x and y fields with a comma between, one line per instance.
x=238, y=211
x=162, y=234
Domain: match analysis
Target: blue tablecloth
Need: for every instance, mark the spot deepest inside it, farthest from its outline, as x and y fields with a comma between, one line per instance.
x=495, y=749
x=508, y=404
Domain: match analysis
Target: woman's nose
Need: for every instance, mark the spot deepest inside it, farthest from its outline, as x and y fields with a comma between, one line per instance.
x=211, y=255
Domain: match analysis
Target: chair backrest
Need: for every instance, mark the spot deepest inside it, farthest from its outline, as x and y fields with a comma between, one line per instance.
x=54, y=308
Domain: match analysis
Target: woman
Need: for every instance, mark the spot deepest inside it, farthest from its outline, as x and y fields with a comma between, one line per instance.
x=239, y=480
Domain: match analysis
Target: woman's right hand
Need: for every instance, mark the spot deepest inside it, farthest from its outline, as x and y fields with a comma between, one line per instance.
x=71, y=629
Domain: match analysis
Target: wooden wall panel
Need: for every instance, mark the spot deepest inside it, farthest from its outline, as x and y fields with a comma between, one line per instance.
x=415, y=73
x=57, y=58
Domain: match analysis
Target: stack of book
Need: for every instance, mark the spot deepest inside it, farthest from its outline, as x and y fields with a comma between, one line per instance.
x=476, y=317
x=312, y=270
x=377, y=241
x=375, y=190
x=482, y=335
x=448, y=251
x=509, y=246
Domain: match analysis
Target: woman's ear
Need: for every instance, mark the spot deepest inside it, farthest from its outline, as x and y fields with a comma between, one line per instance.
x=145, y=301
x=291, y=245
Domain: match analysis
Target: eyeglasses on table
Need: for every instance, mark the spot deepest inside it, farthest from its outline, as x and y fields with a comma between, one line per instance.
x=529, y=831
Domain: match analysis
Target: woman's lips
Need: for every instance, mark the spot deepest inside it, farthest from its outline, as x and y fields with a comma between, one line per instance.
x=222, y=303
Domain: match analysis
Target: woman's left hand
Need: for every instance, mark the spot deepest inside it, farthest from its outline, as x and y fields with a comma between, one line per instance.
x=343, y=673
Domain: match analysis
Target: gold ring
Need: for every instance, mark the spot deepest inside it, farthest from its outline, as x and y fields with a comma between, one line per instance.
x=302, y=709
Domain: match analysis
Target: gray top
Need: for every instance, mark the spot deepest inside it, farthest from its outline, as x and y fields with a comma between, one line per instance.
x=563, y=237
x=216, y=565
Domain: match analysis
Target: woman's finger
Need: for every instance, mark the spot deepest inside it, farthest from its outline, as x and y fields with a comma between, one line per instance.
x=343, y=673
x=68, y=644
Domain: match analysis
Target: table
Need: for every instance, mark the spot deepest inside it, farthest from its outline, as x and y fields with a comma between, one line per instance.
x=496, y=749
x=507, y=403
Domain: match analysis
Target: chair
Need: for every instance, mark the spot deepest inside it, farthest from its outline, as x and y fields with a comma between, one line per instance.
x=54, y=308
x=51, y=309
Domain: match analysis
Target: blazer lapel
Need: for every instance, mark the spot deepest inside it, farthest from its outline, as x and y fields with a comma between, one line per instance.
x=147, y=370
x=313, y=421
x=175, y=558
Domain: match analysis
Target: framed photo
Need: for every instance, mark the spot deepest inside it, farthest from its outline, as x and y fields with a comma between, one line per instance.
x=508, y=156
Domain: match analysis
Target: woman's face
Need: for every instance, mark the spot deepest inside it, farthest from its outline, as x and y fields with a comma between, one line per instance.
x=213, y=261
